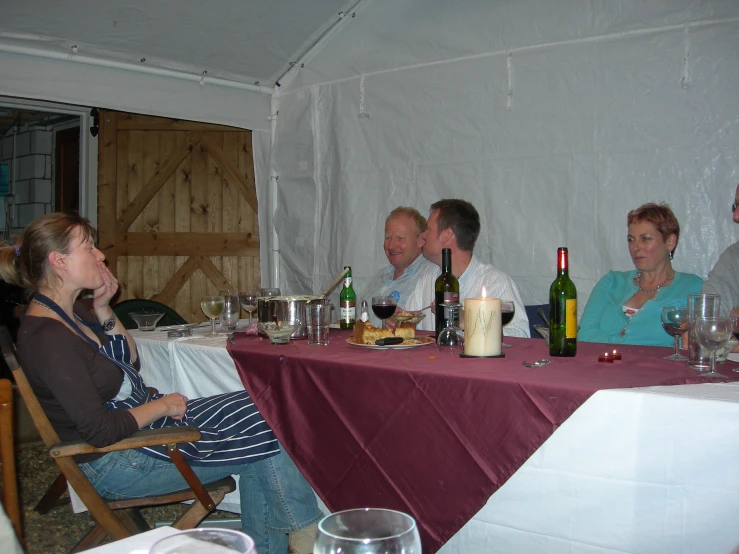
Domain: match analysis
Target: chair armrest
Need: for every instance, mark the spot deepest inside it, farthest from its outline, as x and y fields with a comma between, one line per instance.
x=148, y=437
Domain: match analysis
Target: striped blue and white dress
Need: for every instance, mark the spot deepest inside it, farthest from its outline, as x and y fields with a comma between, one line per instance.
x=232, y=429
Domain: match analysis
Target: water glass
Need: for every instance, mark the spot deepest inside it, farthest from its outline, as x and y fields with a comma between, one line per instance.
x=317, y=320
x=231, y=309
x=713, y=333
x=700, y=305
x=367, y=531
x=205, y=541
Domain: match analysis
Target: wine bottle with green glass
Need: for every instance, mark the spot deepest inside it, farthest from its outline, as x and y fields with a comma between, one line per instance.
x=562, y=310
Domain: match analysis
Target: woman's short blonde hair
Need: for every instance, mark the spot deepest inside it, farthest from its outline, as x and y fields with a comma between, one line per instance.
x=659, y=215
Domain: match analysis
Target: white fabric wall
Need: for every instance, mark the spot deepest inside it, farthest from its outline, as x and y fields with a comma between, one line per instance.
x=598, y=124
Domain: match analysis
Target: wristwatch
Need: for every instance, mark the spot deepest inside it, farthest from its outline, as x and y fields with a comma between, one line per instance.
x=108, y=324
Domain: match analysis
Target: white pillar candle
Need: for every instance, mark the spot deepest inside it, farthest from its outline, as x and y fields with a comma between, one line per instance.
x=482, y=326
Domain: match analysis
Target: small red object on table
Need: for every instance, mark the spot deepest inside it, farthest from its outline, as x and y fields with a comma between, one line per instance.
x=606, y=358
x=616, y=355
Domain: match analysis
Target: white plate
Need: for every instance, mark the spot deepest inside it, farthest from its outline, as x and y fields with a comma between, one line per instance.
x=418, y=341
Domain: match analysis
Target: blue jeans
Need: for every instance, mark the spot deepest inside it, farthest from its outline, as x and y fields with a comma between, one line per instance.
x=275, y=497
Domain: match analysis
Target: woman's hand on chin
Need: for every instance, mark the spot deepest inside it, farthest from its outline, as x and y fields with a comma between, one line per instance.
x=103, y=294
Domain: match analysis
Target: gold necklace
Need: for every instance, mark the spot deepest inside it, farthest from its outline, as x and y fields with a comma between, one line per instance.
x=662, y=284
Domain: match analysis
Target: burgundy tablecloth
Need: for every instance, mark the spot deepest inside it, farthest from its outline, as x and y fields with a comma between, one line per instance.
x=423, y=432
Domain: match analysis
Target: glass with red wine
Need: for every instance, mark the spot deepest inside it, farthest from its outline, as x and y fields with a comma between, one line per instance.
x=507, y=311
x=383, y=307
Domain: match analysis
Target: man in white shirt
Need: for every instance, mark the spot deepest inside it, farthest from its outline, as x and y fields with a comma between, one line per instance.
x=403, y=242
x=455, y=224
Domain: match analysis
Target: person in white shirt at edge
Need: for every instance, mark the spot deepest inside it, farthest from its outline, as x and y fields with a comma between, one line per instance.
x=455, y=224
x=403, y=242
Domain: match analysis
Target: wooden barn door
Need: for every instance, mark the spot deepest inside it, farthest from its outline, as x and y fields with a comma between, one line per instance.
x=177, y=209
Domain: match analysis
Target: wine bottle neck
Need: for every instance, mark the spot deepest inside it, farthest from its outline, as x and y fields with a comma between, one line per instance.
x=562, y=261
x=446, y=260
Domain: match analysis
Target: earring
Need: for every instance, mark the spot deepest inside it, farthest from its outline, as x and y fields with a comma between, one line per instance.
x=670, y=255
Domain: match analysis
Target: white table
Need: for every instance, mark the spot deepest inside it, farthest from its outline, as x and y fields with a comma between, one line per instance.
x=633, y=470
x=137, y=544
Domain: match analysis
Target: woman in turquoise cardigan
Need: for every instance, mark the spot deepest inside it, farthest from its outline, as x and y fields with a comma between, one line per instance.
x=625, y=306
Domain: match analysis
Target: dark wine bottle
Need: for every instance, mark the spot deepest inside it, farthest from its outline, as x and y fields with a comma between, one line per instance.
x=446, y=290
x=562, y=310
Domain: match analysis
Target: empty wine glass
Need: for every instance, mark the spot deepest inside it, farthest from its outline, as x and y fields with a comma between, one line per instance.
x=231, y=309
x=367, y=531
x=384, y=307
x=212, y=307
x=249, y=302
x=713, y=333
x=675, y=323
x=451, y=337
x=507, y=311
x=735, y=330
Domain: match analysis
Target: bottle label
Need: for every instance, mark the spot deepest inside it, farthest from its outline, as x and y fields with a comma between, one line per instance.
x=571, y=318
x=451, y=297
x=347, y=282
x=348, y=311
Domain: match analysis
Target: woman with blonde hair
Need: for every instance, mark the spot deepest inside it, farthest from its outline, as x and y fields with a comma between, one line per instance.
x=625, y=307
x=83, y=368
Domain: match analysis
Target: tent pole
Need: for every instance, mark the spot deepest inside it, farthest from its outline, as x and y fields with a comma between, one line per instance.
x=274, y=243
x=126, y=66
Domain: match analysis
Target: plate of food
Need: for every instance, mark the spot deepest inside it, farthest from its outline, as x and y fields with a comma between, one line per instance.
x=366, y=335
x=407, y=343
x=413, y=318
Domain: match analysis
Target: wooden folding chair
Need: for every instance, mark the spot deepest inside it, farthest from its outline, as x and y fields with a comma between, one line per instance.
x=7, y=456
x=119, y=518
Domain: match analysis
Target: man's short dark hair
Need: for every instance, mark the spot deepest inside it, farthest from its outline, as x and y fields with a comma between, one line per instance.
x=462, y=218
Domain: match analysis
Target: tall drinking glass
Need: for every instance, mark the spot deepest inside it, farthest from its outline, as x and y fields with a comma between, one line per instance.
x=507, y=311
x=700, y=305
x=212, y=307
x=713, y=333
x=367, y=531
x=231, y=309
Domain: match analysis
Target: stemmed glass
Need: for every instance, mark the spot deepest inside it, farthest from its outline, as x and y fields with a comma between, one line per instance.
x=249, y=302
x=675, y=322
x=367, y=531
x=735, y=330
x=507, y=311
x=713, y=333
x=212, y=307
x=451, y=337
x=205, y=541
x=384, y=307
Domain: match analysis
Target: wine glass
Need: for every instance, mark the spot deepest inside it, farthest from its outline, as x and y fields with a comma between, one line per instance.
x=212, y=307
x=367, y=531
x=507, y=311
x=713, y=333
x=249, y=302
x=451, y=337
x=205, y=541
x=231, y=309
x=675, y=322
x=735, y=330
x=384, y=307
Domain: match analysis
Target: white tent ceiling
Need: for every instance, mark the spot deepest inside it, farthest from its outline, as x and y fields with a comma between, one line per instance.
x=249, y=41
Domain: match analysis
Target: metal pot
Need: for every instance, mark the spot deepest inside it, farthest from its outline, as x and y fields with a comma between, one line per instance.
x=290, y=309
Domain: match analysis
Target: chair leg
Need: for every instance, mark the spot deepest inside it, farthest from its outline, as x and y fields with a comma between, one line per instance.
x=53, y=496
x=133, y=520
x=197, y=512
x=91, y=540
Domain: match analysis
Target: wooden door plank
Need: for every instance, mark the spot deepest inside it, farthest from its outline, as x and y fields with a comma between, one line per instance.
x=183, y=213
x=107, y=187
x=231, y=208
x=188, y=244
x=166, y=264
x=175, y=284
x=150, y=214
x=153, y=123
x=135, y=181
x=231, y=171
x=122, y=172
x=131, y=212
x=214, y=275
x=199, y=219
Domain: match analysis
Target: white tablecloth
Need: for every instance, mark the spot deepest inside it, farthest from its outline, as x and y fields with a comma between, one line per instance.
x=8, y=541
x=633, y=470
x=137, y=544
